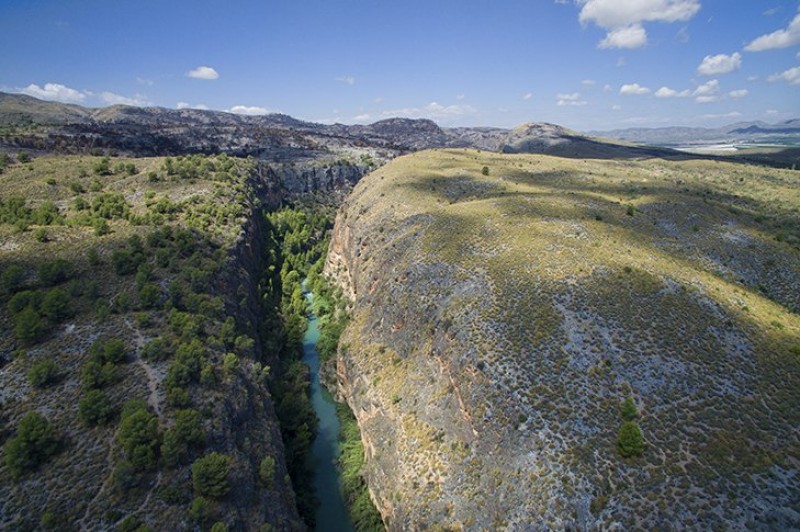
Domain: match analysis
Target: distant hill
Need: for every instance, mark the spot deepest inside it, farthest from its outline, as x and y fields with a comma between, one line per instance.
x=42, y=126
x=784, y=133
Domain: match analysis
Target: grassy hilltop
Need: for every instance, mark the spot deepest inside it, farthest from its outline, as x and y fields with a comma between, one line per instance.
x=507, y=308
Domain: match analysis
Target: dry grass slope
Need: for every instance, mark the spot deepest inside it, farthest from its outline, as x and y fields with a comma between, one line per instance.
x=501, y=319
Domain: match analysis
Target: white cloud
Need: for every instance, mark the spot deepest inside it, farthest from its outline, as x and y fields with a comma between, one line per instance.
x=247, y=110
x=588, y=83
x=608, y=88
x=623, y=20
x=621, y=62
x=777, y=39
x=434, y=110
x=185, y=105
x=798, y=55
x=203, y=72
x=752, y=78
x=55, y=92
x=460, y=96
x=732, y=114
x=633, y=88
x=527, y=96
x=683, y=36
x=111, y=98
x=570, y=100
x=791, y=76
x=719, y=64
x=632, y=36
x=772, y=112
x=379, y=99
x=708, y=92
x=366, y=117
x=616, y=108
x=347, y=80
x=739, y=94
x=666, y=92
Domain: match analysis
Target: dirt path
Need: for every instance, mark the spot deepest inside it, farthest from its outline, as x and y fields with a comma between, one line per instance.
x=152, y=379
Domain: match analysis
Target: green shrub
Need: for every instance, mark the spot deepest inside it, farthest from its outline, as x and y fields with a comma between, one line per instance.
x=54, y=272
x=210, y=475
x=266, y=471
x=219, y=526
x=182, y=437
x=630, y=441
x=11, y=279
x=95, y=374
x=28, y=326
x=111, y=351
x=41, y=235
x=156, y=350
x=44, y=373
x=200, y=510
x=138, y=434
x=96, y=408
x=629, y=412
x=56, y=305
x=34, y=444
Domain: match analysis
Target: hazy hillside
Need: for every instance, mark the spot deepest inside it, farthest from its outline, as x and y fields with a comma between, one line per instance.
x=549, y=343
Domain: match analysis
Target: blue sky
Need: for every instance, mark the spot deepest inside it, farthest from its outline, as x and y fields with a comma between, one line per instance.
x=585, y=64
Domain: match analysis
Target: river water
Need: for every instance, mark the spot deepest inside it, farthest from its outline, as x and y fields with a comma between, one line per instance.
x=332, y=512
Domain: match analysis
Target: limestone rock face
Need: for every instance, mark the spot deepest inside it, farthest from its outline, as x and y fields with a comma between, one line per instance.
x=501, y=320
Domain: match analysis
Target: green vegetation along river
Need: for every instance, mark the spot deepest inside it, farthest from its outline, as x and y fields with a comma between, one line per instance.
x=332, y=512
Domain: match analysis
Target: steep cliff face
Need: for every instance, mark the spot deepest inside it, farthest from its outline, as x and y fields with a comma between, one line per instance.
x=502, y=316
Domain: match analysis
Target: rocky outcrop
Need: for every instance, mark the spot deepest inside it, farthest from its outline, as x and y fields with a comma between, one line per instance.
x=499, y=322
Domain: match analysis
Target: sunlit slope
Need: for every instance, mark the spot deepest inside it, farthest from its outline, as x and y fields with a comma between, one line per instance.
x=505, y=305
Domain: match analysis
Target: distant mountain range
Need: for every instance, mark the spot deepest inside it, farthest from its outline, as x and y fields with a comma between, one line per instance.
x=30, y=123
x=783, y=133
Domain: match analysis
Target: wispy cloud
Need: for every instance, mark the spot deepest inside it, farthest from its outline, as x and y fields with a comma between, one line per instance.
x=203, y=72
x=145, y=81
x=666, y=92
x=186, y=105
x=527, y=96
x=633, y=89
x=54, y=92
x=570, y=100
x=791, y=76
x=248, y=110
x=347, y=80
x=110, y=98
x=739, y=94
x=713, y=65
x=777, y=39
x=708, y=92
x=434, y=110
x=624, y=21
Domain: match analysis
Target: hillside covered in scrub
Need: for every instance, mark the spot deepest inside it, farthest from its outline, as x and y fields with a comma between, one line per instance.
x=540, y=342
x=141, y=346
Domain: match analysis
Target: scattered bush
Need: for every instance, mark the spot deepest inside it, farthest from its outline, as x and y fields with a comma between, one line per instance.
x=210, y=475
x=34, y=444
x=54, y=272
x=56, y=305
x=28, y=326
x=266, y=471
x=630, y=441
x=179, y=440
x=138, y=434
x=44, y=373
x=96, y=408
x=629, y=412
x=11, y=279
